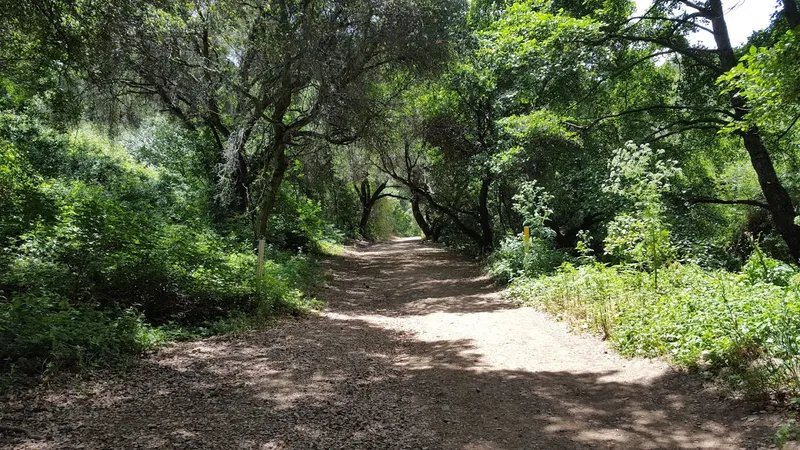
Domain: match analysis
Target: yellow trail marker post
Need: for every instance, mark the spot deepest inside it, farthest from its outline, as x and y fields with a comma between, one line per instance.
x=260, y=268
x=526, y=237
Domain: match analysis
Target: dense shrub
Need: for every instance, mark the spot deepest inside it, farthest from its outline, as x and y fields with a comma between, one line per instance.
x=124, y=251
x=45, y=333
x=744, y=327
x=298, y=224
x=512, y=260
x=104, y=256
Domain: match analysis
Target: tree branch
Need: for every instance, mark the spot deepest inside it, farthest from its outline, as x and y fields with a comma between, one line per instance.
x=685, y=20
x=691, y=53
x=706, y=12
x=399, y=197
x=789, y=128
x=686, y=125
x=662, y=107
x=718, y=201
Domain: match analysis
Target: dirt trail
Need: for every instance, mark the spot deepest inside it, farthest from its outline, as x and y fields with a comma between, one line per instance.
x=416, y=350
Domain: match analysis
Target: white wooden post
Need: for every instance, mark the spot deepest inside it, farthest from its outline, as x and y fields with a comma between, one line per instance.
x=260, y=270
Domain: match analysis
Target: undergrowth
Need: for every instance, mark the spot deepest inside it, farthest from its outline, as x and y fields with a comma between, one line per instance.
x=43, y=334
x=742, y=327
x=105, y=254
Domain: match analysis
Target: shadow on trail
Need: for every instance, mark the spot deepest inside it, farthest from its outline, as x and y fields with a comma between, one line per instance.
x=301, y=387
x=340, y=382
x=423, y=279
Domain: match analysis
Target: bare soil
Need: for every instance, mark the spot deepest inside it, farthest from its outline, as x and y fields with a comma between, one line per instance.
x=416, y=350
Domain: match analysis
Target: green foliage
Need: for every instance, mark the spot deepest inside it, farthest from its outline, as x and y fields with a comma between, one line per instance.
x=532, y=203
x=20, y=199
x=103, y=256
x=584, y=247
x=298, y=222
x=641, y=239
x=788, y=431
x=767, y=77
x=640, y=235
x=640, y=175
x=504, y=118
x=45, y=333
x=159, y=143
x=528, y=131
x=742, y=328
x=761, y=268
x=391, y=217
x=283, y=287
x=511, y=260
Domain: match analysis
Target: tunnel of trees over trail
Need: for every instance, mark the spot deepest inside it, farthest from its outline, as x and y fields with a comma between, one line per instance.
x=148, y=147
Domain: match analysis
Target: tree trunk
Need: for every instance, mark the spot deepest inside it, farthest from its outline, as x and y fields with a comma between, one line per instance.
x=792, y=13
x=368, y=200
x=366, y=209
x=421, y=222
x=780, y=202
x=476, y=237
x=436, y=227
x=487, y=237
x=279, y=167
x=241, y=182
x=452, y=214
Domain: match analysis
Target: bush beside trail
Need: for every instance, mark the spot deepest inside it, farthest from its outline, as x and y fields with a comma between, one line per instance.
x=106, y=253
x=739, y=327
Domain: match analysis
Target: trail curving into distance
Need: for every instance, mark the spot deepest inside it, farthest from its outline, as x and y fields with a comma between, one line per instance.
x=416, y=350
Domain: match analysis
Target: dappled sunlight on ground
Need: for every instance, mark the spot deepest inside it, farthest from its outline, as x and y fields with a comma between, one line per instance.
x=416, y=350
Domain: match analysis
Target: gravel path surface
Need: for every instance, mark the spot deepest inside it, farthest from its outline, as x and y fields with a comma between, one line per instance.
x=416, y=351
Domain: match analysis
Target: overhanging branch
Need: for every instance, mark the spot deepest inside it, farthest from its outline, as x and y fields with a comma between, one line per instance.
x=664, y=108
x=399, y=197
x=718, y=201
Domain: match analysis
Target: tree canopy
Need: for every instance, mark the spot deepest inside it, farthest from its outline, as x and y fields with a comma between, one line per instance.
x=148, y=146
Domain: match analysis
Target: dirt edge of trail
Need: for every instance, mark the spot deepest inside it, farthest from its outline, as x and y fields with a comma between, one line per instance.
x=416, y=349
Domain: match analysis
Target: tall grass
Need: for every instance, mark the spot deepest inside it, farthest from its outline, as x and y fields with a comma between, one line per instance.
x=744, y=328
